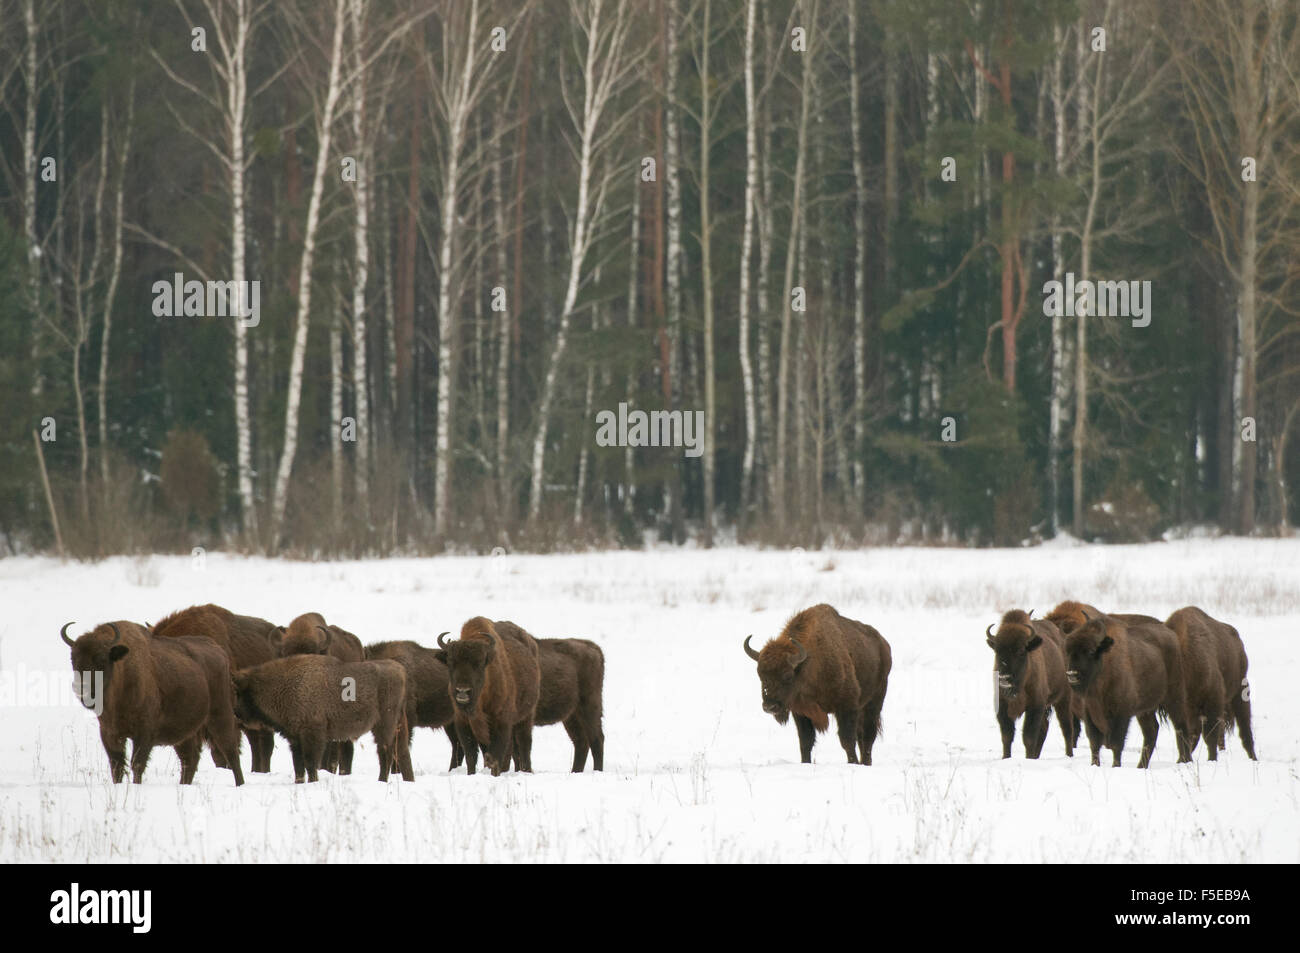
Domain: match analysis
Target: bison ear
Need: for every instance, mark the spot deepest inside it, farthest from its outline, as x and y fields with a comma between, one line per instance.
x=1104, y=646
x=117, y=653
x=1033, y=643
x=989, y=640
x=440, y=655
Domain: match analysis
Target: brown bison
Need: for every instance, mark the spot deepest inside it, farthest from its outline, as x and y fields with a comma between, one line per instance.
x=1030, y=670
x=493, y=682
x=428, y=704
x=173, y=692
x=246, y=641
x=823, y=663
x=309, y=635
x=572, y=682
x=1119, y=670
x=1214, y=670
x=314, y=699
x=1069, y=615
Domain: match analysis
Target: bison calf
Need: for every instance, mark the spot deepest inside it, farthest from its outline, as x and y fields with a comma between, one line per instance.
x=314, y=699
x=309, y=635
x=1120, y=670
x=1030, y=672
x=173, y=692
x=493, y=682
x=824, y=663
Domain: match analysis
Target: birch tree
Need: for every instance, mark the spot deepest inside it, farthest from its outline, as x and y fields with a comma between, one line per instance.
x=233, y=25
x=607, y=56
x=325, y=116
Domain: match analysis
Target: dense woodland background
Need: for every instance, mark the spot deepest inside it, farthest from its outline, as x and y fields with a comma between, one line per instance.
x=793, y=264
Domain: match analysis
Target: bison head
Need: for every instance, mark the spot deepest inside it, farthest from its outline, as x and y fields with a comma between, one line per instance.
x=94, y=653
x=1085, y=649
x=778, y=668
x=467, y=665
x=247, y=711
x=1011, y=647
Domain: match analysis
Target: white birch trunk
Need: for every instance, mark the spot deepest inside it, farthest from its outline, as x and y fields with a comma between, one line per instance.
x=361, y=266
x=324, y=140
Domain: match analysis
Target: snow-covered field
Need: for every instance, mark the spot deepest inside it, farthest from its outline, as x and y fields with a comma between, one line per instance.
x=694, y=770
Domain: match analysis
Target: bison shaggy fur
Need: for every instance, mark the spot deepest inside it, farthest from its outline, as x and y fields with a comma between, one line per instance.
x=172, y=692
x=1120, y=670
x=314, y=699
x=246, y=641
x=1029, y=667
x=1214, y=671
x=309, y=635
x=572, y=682
x=823, y=663
x=494, y=681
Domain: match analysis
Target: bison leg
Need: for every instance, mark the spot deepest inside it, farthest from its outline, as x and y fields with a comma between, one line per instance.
x=1007, y=725
x=261, y=743
x=345, y=750
x=140, y=751
x=1034, y=732
x=299, y=765
x=469, y=744
x=1150, y=726
x=595, y=736
x=578, y=735
x=403, y=756
x=115, y=748
x=497, y=755
x=313, y=748
x=869, y=729
x=1069, y=727
x=189, y=751
x=457, y=752
x=846, y=726
x=807, y=736
x=1115, y=738
x=1241, y=713
x=1095, y=738
x=523, y=743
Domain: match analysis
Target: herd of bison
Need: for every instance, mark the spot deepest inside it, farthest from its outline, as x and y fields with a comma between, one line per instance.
x=204, y=674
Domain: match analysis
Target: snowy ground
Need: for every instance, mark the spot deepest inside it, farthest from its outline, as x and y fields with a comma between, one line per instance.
x=694, y=770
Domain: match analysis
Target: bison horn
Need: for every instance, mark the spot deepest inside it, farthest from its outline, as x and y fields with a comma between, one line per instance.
x=988, y=633
x=117, y=636
x=803, y=653
x=749, y=651
x=1031, y=614
x=63, y=633
x=441, y=640
x=328, y=635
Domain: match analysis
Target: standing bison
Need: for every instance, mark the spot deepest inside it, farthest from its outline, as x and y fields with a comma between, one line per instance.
x=823, y=663
x=173, y=692
x=1030, y=671
x=246, y=641
x=314, y=699
x=309, y=635
x=1214, y=671
x=1119, y=670
x=493, y=682
x=572, y=682
x=428, y=704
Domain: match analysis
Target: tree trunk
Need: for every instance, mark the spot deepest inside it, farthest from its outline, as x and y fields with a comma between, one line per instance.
x=746, y=263
x=361, y=267
x=114, y=274
x=859, y=406
x=325, y=132
x=706, y=279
